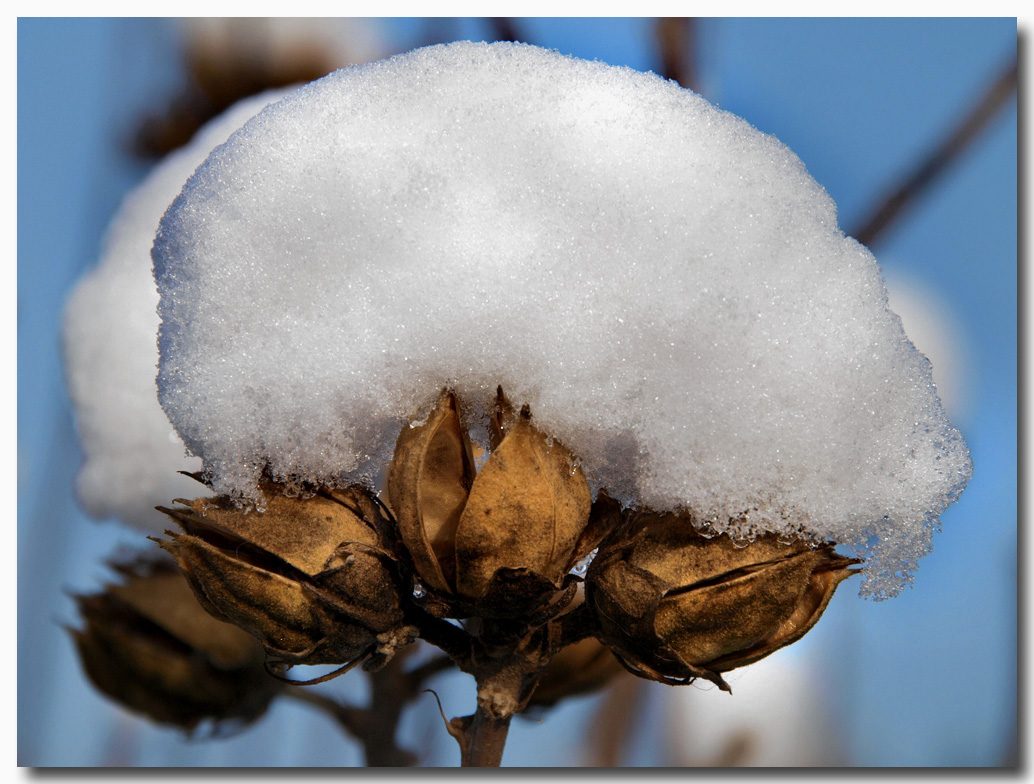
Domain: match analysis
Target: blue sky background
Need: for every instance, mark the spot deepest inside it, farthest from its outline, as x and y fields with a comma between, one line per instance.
x=928, y=678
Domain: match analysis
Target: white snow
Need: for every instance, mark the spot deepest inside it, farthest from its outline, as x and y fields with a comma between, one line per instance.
x=665, y=285
x=132, y=452
x=933, y=329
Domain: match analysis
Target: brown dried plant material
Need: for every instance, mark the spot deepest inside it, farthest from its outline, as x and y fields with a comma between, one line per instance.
x=675, y=605
x=150, y=646
x=500, y=542
x=581, y=668
x=525, y=511
x=309, y=577
x=429, y=479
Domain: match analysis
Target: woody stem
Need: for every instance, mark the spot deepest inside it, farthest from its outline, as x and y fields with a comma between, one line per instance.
x=507, y=666
x=484, y=740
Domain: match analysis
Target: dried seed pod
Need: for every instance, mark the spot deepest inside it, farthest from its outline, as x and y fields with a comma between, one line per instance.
x=309, y=577
x=498, y=543
x=675, y=605
x=150, y=646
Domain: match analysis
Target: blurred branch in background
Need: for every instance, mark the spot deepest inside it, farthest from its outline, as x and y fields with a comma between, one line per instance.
x=977, y=119
x=621, y=710
x=504, y=28
x=229, y=59
x=675, y=36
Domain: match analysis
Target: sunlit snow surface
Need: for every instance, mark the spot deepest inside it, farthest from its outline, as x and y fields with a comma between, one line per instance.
x=666, y=286
x=132, y=452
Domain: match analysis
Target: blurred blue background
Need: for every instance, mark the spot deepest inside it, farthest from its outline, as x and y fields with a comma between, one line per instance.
x=926, y=679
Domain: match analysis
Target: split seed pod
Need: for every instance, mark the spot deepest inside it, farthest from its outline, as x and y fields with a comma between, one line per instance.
x=675, y=605
x=150, y=646
x=496, y=542
x=310, y=578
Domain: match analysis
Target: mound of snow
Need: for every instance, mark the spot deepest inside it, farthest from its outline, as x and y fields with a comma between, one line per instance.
x=666, y=286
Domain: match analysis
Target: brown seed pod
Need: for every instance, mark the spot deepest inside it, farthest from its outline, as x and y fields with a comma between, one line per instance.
x=498, y=542
x=675, y=605
x=150, y=646
x=309, y=577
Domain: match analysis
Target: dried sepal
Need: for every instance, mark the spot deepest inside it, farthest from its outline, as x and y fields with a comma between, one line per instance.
x=304, y=532
x=495, y=543
x=605, y=517
x=429, y=478
x=676, y=605
x=274, y=609
x=526, y=511
x=311, y=577
x=827, y=573
x=150, y=646
x=501, y=420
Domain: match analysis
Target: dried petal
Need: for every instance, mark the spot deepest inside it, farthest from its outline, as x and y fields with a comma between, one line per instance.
x=526, y=511
x=429, y=478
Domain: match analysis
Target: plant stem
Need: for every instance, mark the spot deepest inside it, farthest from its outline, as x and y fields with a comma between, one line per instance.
x=484, y=738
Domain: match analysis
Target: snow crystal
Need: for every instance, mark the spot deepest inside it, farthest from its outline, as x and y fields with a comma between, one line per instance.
x=665, y=286
x=132, y=452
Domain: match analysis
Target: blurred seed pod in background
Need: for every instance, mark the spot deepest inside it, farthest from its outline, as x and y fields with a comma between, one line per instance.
x=147, y=644
x=582, y=668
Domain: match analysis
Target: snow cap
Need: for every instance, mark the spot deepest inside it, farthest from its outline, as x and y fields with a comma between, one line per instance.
x=666, y=287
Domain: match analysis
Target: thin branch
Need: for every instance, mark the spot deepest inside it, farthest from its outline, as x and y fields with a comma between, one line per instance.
x=891, y=206
x=348, y=716
x=574, y=626
x=449, y=638
x=389, y=693
x=374, y=727
x=615, y=720
x=416, y=677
